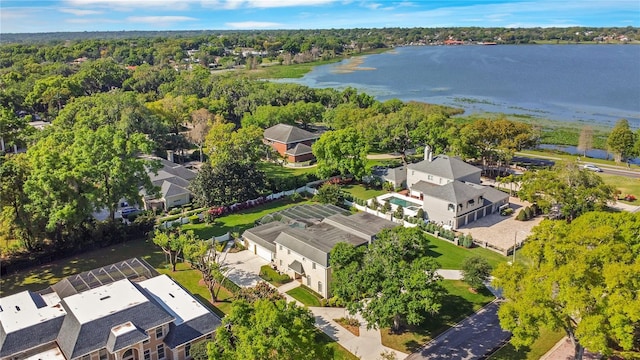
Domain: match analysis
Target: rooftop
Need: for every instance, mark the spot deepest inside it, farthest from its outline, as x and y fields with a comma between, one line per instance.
x=26, y=309
x=288, y=134
x=455, y=192
x=105, y=300
x=173, y=298
x=446, y=167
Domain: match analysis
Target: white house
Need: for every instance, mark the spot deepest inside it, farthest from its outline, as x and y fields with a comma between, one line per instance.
x=451, y=192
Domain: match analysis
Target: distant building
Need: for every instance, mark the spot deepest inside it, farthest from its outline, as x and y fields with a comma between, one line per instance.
x=173, y=181
x=291, y=142
x=124, y=311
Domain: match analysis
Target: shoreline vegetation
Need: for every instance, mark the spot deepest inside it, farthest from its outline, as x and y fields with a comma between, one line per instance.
x=553, y=132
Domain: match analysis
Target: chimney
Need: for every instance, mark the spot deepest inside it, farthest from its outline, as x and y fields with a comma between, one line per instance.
x=170, y=155
x=428, y=153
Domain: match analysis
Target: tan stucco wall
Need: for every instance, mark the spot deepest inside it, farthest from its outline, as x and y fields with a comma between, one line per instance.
x=320, y=273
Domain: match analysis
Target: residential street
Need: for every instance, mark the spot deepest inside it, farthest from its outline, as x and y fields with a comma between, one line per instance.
x=472, y=338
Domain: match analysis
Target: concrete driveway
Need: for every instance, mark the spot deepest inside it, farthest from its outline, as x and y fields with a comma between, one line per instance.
x=472, y=338
x=243, y=267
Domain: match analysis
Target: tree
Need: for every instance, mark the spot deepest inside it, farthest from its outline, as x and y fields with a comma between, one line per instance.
x=582, y=278
x=227, y=183
x=397, y=282
x=475, y=271
x=204, y=258
x=585, y=142
x=262, y=290
x=575, y=190
x=342, y=151
x=200, y=124
x=621, y=140
x=225, y=145
x=329, y=193
x=265, y=330
x=172, y=244
x=12, y=128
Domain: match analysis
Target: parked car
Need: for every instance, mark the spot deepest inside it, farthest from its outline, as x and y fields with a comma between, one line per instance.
x=592, y=167
x=128, y=211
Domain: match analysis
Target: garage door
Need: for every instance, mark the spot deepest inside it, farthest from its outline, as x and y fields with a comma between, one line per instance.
x=263, y=253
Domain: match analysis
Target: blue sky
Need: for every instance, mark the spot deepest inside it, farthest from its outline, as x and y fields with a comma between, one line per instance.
x=116, y=15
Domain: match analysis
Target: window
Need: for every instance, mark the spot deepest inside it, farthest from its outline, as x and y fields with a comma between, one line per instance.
x=303, y=259
x=451, y=207
x=86, y=357
x=103, y=354
x=308, y=280
x=280, y=247
x=159, y=333
x=320, y=287
x=147, y=354
x=160, y=352
x=280, y=262
x=187, y=350
x=288, y=251
x=429, y=177
x=313, y=265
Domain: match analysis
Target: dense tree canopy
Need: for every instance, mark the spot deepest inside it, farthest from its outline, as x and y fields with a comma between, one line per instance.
x=621, y=141
x=574, y=190
x=227, y=183
x=341, y=151
x=581, y=277
x=397, y=281
x=265, y=330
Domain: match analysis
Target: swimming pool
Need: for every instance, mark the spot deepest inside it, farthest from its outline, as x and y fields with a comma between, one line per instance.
x=402, y=202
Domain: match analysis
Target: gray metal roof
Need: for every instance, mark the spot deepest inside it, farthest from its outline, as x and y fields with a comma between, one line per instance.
x=362, y=224
x=299, y=149
x=315, y=242
x=265, y=234
x=445, y=166
x=454, y=192
x=288, y=134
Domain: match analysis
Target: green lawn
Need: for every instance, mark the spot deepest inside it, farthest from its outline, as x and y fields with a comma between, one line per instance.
x=305, y=296
x=336, y=351
x=273, y=277
x=360, y=192
x=450, y=256
x=277, y=171
x=241, y=220
x=544, y=343
x=456, y=305
x=626, y=185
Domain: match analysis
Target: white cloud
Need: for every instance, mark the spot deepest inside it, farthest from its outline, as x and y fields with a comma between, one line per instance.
x=80, y=12
x=254, y=25
x=159, y=19
x=127, y=5
x=262, y=4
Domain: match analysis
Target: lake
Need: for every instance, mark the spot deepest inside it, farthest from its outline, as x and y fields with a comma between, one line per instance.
x=594, y=84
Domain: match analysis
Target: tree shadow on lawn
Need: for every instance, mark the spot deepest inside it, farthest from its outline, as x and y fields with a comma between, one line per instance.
x=454, y=309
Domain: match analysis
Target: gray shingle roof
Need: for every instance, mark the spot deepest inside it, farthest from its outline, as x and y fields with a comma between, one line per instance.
x=454, y=192
x=445, y=166
x=76, y=339
x=116, y=343
x=397, y=174
x=169, y=189
x=29, y=337
x=288, y=134
x=423, y=186
x=299, y=149
x=494, y=195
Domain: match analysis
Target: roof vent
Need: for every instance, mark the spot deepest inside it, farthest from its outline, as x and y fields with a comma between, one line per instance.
x=170, y=294
x=17, y=308
x=105, y=297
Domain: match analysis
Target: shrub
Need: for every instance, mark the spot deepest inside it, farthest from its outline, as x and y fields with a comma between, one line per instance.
x=295, y=197
x=630, y=198
x=174, y=211
x=375, y=205
x=506, y=212
x=466, y=241
x=420, y=214
x=475, y=271
x=536, y=209
x=399, y=213
x=194, y=219
x=387, y=186
x=386, y=208
x=522, y=215
x=529, y=213
x=330, y=193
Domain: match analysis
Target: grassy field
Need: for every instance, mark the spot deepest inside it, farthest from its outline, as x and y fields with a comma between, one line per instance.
x=457, y=305
x=276, y=171
x=544, y=343
x=360, y=192
x=626, y=185
x=450, y=256
x=305, y=296
x=240, y=221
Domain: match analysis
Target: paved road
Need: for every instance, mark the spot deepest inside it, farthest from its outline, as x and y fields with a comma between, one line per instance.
x=472, y=338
